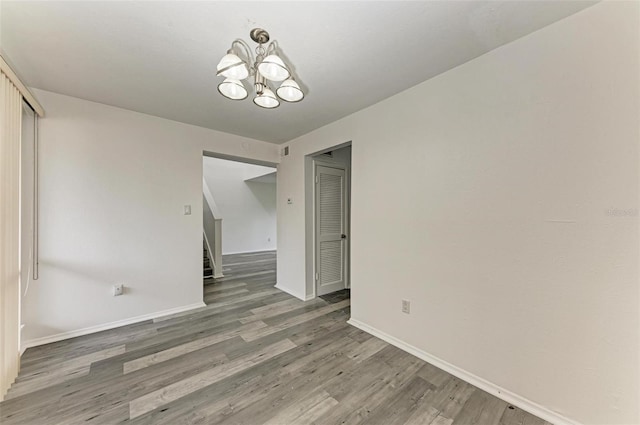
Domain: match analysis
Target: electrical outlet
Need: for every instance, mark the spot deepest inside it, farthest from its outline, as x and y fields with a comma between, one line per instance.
x=406, y=306
x=118, y=289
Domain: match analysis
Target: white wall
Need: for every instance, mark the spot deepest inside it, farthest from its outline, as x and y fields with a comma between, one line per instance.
x=483, y=196
x=113, y=184
x=248, y=208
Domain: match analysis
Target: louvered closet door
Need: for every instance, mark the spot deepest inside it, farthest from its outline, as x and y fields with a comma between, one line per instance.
x=330, y=229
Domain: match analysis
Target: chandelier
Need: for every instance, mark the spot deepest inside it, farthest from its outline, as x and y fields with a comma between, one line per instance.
x=267, y=67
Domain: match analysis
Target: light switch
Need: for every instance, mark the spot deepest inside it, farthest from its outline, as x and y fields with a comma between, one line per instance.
x=187, y=210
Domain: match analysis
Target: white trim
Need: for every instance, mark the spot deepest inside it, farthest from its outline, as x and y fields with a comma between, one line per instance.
x=506, y=395
x=309, y=220
x=249, y=252
x=241, y=159
x=288, y=291
x=93, y=329
x=328, y=163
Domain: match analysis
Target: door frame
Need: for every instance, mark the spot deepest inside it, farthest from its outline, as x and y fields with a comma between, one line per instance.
x=310, y=231
x=198, y=208
x=345, y=271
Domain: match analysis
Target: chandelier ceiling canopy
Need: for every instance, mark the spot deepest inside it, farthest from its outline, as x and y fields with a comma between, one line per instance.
x=265, y=68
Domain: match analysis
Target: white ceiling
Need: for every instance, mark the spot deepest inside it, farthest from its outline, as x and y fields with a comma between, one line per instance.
x=159, y=57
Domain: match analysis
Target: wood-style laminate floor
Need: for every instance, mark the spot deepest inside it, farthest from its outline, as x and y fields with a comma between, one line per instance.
x=253, y=355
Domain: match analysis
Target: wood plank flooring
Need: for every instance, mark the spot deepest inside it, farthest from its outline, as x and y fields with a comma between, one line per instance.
x=253, y=355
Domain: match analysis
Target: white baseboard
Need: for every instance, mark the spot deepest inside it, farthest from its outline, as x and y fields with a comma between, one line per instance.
x=288, y=291
x=300, y=297
x=248, y=252
x=506, y=395
x=93, y=329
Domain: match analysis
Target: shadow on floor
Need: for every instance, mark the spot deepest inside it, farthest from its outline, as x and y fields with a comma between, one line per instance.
x=336, y=297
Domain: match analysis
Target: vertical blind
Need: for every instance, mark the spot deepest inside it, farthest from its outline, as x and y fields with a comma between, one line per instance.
x=10, y=130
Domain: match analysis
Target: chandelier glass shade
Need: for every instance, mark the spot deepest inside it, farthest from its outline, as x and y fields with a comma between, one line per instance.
x=273, y=68
x=231, y=66
x=233, y=89
x=290, y=91
x=267, y=99
x=267, y=67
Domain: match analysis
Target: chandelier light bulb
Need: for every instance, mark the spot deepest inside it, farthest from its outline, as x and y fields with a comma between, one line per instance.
x=290, y=91
x=233, y=89
x=267, y=100
x=273, y=68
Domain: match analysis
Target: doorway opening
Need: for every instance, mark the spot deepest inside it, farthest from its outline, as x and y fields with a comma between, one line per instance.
x=239, y=226
x=328, y=230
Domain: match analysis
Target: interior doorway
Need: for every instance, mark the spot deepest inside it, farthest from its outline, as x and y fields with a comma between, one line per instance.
x=239, y=222
x=328, y=223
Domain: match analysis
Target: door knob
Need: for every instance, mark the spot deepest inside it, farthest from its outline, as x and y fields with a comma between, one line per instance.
x=343, y=236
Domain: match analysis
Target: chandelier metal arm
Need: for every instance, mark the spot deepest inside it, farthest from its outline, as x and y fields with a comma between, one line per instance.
x=272, y=47
x=245, y=47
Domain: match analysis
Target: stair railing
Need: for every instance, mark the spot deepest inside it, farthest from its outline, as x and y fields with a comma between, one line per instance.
x=212, y=229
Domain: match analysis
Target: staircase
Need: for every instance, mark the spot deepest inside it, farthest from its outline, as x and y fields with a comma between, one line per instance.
x=211, y=234
x=206, y=263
